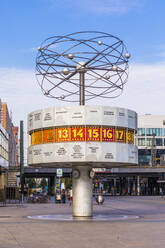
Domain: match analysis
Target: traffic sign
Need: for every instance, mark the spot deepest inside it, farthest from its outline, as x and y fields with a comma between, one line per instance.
x=59, y=172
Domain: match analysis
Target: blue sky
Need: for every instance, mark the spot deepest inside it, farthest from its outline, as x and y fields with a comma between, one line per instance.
x=25, y=24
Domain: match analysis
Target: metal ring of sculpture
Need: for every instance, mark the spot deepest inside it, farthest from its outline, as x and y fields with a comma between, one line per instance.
x=98, y=59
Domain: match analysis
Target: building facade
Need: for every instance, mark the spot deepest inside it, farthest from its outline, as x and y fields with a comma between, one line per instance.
x=148, y=178
x=4, y=156
x=8, y=145
x=12, y=132
x=150, y=140
x=15, y=133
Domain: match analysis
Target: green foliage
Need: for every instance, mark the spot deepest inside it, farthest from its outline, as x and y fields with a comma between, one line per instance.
x=43, y=183
x=68, y=183
x=32, y=183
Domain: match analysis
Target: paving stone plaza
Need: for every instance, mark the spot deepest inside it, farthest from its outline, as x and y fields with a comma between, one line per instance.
x=146, y=231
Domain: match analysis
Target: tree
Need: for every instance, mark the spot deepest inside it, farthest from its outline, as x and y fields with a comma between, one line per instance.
x=32, y=183
x=43, y=183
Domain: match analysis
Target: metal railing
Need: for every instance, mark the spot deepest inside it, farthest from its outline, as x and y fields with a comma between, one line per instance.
x=10, y=195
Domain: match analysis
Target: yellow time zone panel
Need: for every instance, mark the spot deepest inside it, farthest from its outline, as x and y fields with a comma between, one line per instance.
x=83, y=133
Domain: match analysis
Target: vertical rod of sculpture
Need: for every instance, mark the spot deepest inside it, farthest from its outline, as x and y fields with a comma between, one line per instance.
x=82, y=87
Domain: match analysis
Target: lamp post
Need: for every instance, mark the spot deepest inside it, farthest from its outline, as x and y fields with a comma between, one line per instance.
x=153, y=150
x=22, y=160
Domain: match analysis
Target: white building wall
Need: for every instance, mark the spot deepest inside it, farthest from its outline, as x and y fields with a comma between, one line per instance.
x=151, y=121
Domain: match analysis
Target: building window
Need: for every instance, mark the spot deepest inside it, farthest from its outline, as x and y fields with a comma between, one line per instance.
x=141, y=132
x=154, y=131
x=141, y=142
x=148, y=131
x=149, y=142
x=159, y=142
x=159, y=132
x=145, y=160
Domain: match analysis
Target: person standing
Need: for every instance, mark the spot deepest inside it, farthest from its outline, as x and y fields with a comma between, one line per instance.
x=71, y=197
x=161, y=192
x=63, y=196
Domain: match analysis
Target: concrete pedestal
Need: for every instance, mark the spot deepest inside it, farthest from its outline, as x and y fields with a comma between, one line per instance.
x=82, y=191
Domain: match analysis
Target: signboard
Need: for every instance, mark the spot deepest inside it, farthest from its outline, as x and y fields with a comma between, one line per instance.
x=108, y=134
x=59, y=172
x=70, y=152
x=83, y=133
x=130, y=137
x=48, y=135
x=62, y=134
x=78, y=133
x=93, y=133
x=121, y=135
x=82, y=116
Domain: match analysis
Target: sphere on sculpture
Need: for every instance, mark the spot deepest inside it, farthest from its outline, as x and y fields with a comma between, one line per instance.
x=46, y=93
x=65, y=71
x=127, y=55
x=70, y=56
x=62, y=97
x=107, y=77
x=114, y=68
x=100, y=42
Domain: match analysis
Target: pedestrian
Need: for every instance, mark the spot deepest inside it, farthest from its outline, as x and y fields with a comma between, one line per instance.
x=161, y=192
x=63, y=196
x=71, y=197
x=58, y=196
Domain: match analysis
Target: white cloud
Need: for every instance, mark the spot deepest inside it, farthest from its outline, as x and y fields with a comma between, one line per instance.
x=145, y=90
x=18, y=87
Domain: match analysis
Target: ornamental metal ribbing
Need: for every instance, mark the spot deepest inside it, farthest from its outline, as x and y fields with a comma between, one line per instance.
x=82, y=66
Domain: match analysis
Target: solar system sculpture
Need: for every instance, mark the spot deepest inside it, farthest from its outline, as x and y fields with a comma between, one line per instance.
x=77, y=68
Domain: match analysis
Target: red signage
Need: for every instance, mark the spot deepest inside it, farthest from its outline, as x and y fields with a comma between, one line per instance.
x=120, y=135
x=83, y=133
x=48, y=135
x=130, y=137
x=78, y=134
x=108, y=134
x=93, y=133
x=62, y=134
